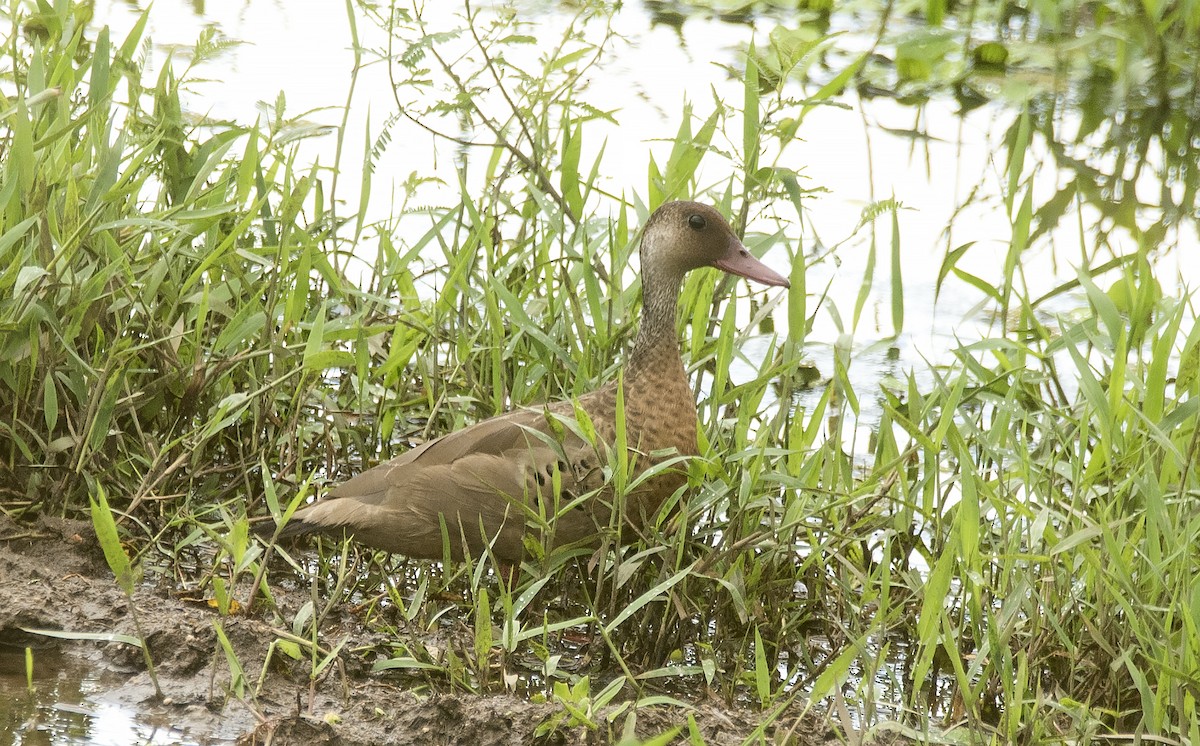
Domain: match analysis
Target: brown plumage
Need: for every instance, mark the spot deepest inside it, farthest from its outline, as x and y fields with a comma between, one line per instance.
x=485, y=484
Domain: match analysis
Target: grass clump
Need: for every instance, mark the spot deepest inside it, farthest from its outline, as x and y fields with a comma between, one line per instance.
x=157, y=286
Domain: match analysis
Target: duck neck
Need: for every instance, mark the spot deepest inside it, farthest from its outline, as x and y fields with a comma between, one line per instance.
x=657, y=342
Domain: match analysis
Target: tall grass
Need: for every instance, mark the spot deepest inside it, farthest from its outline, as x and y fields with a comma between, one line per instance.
x=1018, y=555
x=157, y=290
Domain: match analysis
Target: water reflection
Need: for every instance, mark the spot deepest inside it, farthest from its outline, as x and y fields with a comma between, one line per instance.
x=1123, y=149
x=68, y=706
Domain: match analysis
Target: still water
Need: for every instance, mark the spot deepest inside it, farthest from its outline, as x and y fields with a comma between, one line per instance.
x=72, y=703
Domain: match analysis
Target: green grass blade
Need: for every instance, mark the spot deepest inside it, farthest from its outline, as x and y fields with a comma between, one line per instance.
x=110, y=541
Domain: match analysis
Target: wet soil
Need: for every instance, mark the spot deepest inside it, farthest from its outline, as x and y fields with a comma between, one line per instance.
x=53, y=576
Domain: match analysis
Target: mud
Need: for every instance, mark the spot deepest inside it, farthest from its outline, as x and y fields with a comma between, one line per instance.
x=53, y=576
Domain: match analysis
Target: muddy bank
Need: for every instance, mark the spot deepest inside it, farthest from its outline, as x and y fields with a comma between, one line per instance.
x=53, y=576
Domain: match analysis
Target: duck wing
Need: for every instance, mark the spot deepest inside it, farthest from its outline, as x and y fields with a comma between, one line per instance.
x=485, y=484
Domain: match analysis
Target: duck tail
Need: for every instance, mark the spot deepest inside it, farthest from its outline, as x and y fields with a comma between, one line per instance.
x=295, y=527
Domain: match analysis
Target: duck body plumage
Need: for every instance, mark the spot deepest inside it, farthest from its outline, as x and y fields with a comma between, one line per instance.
x=494, y=483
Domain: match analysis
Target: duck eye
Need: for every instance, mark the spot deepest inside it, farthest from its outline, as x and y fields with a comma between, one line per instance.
x=697, y=222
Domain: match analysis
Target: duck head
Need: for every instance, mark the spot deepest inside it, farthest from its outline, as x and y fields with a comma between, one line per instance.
x=682, y=236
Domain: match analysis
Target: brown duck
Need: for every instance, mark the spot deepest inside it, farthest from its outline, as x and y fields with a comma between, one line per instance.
x=493, y=483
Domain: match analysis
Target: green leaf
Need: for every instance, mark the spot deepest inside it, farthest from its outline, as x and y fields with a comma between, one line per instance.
x=110, y=541
x=289, y=648
x=762, y=674
x=836, y=84
x=897, y=276
x=569, y=170
x=315, y=343
x=949, y=261
x=50, y=403
x=404, y=663
x=687, y=152
x=935, y=12
x=1016, y=158
x=483, y=629
x=797, y=302
x=133, y=40
x=751, y=127
x=237, y=676
x=330, y=359
x=248, y=322
x=933, y=601
x=650, y=595
x=63, y=634
x=835, y=673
